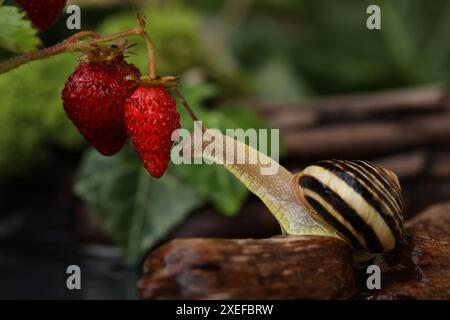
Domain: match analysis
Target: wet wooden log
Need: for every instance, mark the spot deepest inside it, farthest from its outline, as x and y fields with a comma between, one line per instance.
x=420, y=270
x=301, y=267
x=275, y=268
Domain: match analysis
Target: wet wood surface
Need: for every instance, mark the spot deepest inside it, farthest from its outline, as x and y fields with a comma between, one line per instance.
x=306, y=267
x=420, y=270
x=275, y=268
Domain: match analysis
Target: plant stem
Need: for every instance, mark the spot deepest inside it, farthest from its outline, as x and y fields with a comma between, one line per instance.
x=37, y=55
x=151, y=54
x=112, y=37
x=47, y=52
x=142, y=21
x=82, y=34
x=185, y=104
x=73, y=44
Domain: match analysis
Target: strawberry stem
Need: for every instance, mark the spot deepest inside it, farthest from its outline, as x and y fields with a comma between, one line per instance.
x=74, y=43
x=151, y=54
x=185, y=104
x=47, y=52
x=142, y=21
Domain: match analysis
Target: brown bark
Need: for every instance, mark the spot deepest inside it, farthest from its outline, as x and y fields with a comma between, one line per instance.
x=306, y=267
x=275, y=268
x=420, y=270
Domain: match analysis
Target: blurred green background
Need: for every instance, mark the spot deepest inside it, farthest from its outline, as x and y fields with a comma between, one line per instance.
x=228, y=53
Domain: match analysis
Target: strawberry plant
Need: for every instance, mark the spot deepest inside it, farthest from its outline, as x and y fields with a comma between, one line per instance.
x=108, y=101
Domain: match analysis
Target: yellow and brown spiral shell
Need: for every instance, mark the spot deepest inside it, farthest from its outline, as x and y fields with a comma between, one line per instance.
x=360, y=201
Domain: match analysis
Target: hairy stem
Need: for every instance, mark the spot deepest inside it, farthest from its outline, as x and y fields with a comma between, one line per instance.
x=74, y=43
x=37, y=55
x=71, y=44
x=142, y=22
x=151, y=53
x=185, y=104
x=45, y=53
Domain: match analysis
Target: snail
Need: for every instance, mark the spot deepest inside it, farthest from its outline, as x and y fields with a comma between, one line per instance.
x=356, y=201
x=359, y=200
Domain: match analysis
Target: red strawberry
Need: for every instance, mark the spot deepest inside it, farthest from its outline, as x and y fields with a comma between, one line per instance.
x=94, y=99
x=43, y=13
x=151, y=117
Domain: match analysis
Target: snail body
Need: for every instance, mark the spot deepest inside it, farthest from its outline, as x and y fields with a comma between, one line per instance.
x=356, y=201
x=273, y=190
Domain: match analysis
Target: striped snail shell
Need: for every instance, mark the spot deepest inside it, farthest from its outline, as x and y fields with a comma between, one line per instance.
x=358, y=200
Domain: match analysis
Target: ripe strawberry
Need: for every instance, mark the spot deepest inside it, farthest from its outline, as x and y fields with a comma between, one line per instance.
x=43, y=13
x=94, y=99
x=151, y=117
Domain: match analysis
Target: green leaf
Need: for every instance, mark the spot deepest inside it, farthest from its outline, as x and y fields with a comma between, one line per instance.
x=213, y=182
x=16, y=33
x=135, y=209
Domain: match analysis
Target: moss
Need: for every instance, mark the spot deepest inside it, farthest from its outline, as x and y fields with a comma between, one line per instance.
x=31, y=114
